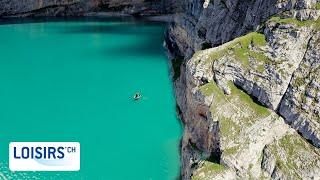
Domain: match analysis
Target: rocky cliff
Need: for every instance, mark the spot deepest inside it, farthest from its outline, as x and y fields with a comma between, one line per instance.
x=23, y=8
x=248, y=88
x=208, y=23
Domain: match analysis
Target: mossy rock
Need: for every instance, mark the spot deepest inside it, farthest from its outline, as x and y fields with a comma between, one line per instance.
x=208, y=168
x=299, y=155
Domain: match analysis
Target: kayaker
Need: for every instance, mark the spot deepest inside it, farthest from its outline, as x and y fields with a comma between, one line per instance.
x=137, y=96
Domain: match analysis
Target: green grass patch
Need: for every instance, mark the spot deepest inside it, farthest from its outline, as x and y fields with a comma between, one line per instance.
x=293, y=21
x=208, y=168
x=298, y=81
x=317, y=24
x=260, y=57
x=211, y=88
x=240, y=49
x=317, y=6
x=259, y=111
x=231, y=150
x=260, y=68
x=259, y=39
x=242, y=55
x=234, y=112
x=238, y=99
x=294, y=147
x=228, y=128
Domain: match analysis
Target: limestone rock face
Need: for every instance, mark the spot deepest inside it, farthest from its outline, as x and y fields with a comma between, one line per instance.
x=250, y=105
x=230, y=136
x=40, y=7
x=291, y=157
x=301, y=103
x=21, y=8
x=264, y=69
x=201, y=138
x=211, y=23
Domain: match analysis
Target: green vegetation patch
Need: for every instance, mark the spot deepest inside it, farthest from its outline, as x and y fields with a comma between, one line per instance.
x=208, y=168
x=235, y=112
x=247, y=49
x=237, y=100
x=228, y=128
x=293, y=21
x=317, y=6
x=306, y=23
x=211, y=88
x=240, y=50
x=258, y=110
x=231, y=150
x=298, y=81
x=295, y=148
x=241, y=45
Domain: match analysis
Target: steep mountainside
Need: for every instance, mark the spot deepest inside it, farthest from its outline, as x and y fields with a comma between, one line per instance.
x=251, y=104
x=22, y=8
x=209, y=23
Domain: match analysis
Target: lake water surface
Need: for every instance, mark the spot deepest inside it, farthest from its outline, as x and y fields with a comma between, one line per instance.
x=74, y=81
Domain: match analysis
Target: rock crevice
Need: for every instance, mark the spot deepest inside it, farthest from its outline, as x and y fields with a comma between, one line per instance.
x=257, y=86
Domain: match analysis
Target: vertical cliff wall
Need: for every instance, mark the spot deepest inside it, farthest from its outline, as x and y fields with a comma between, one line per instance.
x=209, y=23
x=248, y=88
x=21, y=8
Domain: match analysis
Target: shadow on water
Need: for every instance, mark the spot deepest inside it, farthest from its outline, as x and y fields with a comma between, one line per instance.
x=149, y=34
x=149, y=37
x=148, y=47
x=75, y=19
x=119, y=28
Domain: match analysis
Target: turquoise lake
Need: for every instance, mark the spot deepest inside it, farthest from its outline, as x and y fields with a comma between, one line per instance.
x=73, y=80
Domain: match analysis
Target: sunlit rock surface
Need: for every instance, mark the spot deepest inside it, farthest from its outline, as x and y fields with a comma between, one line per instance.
x=250, y=104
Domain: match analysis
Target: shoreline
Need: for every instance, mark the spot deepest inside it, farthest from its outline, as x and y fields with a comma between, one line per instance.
x=98, y=15
x=159, y=18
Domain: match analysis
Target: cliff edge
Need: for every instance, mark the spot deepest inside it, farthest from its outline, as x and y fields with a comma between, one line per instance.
x=248, y=88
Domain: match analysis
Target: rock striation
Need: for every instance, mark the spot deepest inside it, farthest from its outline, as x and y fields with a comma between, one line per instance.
x=249, y=104
x=27, y=8
x=211, y=23
x=301, y=103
